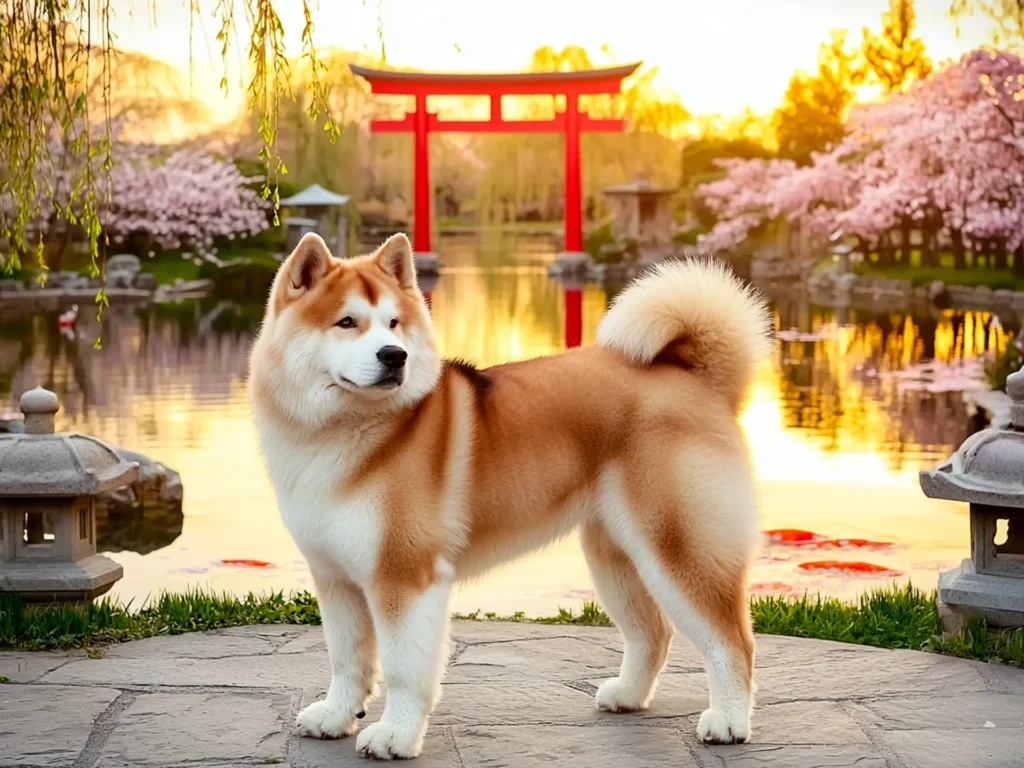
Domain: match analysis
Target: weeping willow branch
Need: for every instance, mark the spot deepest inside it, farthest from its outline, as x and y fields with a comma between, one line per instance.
x=319, y=91
x=56, y=64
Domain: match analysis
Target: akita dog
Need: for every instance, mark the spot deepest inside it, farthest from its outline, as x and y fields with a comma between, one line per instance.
x=399, y=473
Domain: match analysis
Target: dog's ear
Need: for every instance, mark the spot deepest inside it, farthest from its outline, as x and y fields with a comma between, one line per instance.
x=306, y=266
x=395, y=258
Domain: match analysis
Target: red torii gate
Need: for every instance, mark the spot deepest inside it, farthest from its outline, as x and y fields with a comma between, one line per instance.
x=570, y=122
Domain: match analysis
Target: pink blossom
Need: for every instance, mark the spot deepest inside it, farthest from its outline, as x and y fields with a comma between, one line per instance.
x=187, y=199
x=950, y=153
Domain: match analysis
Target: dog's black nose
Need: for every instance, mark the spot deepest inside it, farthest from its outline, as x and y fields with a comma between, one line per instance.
x=393, y=357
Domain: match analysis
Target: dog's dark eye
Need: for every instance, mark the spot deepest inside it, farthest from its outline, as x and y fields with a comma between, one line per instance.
x=394, y=322
x=346, y=322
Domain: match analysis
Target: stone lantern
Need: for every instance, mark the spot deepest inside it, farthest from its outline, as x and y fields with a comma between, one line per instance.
x=988, y=473
x=327, y=214
x=642, y=212
x=48, y=488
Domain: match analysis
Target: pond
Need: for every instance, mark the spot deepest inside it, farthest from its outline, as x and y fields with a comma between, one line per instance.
x=839, y=423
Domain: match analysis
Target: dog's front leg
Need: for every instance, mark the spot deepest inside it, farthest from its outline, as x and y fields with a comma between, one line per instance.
x=348, y=629
x=412, y=632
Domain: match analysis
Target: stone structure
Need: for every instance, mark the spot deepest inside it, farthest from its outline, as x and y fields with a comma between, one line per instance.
x=49, y=484
x=124, y=269
x=642, y=213
x=570, y=264
x=296, y=227
x=842, y=249
x=324, y=212
x=988, y=473
x=124, y=282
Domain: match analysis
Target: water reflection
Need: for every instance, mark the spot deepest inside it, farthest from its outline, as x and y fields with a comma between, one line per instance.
x=837, y=390
x=151, y=527
x=836, y=441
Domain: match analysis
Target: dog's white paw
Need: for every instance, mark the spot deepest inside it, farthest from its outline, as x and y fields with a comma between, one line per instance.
x=716, y=727
x=387, y=741
x=616, y=696
x=321, y=720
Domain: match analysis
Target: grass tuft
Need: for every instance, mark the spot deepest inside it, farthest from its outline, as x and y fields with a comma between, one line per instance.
x=894, y=617
x=977, y=641
x=106, y=621
x=592, y=615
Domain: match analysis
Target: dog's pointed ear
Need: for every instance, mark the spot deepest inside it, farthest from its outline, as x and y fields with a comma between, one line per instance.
x=307, y=265
x=395, y=258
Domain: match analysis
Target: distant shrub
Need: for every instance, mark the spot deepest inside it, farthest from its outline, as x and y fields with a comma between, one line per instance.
x=689, y=236
x=1010, y=361
x=596, y=239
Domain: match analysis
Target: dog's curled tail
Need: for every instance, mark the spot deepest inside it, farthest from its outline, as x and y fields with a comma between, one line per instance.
x=695, y=314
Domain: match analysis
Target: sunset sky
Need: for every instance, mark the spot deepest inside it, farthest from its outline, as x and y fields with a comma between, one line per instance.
x=718, y=55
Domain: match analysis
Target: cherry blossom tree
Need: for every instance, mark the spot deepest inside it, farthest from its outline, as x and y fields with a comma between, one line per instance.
x=742, y=199
x=946, y=159
x=188, y=200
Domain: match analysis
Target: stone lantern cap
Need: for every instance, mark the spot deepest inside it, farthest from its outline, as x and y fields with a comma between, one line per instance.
x=989, y=467
x=639, y=186
x=41, y=463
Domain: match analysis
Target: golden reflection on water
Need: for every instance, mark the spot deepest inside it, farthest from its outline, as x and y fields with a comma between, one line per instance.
x=491, y=317
x=836, y=447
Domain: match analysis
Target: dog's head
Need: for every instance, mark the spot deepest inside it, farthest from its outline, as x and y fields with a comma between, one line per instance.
x=346, y=334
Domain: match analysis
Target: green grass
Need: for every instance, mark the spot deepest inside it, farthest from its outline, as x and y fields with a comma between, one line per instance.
x=168, y=265
x=591, y=615
x=895, y=617
x=105, y=621
x=19, y=274
x=971, y=276
x=898, y=617
x=167, y=269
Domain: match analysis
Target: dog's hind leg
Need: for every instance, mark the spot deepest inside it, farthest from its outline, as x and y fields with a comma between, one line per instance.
x=691, y=543
x=351, y=646
x=645, y=632
x=719, y=626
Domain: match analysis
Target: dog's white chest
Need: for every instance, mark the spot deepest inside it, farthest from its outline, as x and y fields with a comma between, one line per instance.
x=335, y=532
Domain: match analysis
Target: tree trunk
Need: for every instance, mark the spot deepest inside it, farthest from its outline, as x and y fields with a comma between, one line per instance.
x=885, y=250
x=1018, y=261
x=55, y=243
x=905, y=242
x=929, y=248
x=959, y=249
x=999, y=256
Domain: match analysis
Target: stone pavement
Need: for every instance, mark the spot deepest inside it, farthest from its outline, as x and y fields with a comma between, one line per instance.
x=516, y=695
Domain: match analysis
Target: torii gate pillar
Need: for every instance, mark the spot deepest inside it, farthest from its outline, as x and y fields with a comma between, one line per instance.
x=421, y=178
